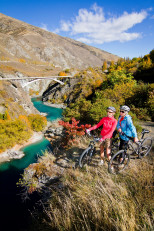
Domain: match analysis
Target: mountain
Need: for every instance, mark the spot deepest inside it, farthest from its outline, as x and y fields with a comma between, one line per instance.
x=22, y=43
x=26, y=50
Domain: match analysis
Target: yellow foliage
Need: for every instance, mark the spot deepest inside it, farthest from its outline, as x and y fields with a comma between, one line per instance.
x=64, y=97
x=37, y=122
x=3, y=58
x=104, y=66
x=119, y=68
x=13, y=132
x=147, y=63
x=22, y=60
x=120, y=92
x=8, y=116
x=25, y=120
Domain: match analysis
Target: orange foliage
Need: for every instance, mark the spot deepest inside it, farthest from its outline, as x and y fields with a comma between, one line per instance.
x=62, y=73
x=22, y=60
x=98, y=82
x=6, y=68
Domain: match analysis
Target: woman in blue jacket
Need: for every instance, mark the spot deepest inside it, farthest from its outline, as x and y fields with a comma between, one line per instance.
x=125, y=125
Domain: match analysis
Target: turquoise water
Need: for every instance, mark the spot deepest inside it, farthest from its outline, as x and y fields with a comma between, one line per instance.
x=31, y=153
x=52, y=113
x=14, y=214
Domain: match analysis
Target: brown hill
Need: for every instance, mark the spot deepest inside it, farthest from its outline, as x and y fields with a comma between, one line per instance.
x=22, y=44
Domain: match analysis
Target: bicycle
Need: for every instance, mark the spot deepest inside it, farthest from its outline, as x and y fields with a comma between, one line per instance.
x=120, y=160
x=88, y=153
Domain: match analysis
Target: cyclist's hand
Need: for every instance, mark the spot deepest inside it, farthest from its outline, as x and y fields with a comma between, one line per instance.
x=88, y=132
x=119, y=130
x=135, y=139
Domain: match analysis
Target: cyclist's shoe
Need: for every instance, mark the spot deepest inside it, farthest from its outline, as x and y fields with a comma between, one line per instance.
x=101, y=163
x=112, y=168
x=121, y=166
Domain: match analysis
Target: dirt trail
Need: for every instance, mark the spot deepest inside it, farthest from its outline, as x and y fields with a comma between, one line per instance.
x=149, y=126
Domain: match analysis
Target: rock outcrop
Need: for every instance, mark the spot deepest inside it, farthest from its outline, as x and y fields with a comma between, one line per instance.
x=11, y=154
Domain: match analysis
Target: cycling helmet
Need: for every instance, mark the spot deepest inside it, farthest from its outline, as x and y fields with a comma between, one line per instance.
x=125, y=108
x=112, y=109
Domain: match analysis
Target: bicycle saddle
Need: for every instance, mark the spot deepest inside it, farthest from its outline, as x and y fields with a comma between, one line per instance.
x=145, y=131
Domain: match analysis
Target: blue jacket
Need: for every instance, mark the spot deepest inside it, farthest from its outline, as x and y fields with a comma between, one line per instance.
x=127, y=127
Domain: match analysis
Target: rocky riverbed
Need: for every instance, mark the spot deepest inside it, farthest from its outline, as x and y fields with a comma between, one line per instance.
x=15, y=153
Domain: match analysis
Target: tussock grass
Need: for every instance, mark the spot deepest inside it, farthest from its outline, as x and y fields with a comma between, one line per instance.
x=93, y=199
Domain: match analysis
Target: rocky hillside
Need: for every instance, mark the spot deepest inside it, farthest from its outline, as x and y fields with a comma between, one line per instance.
x=14, y=99
x=19, y=40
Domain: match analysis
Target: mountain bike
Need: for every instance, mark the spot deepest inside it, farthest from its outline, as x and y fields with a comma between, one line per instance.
x=87, y=155
x=120, y=160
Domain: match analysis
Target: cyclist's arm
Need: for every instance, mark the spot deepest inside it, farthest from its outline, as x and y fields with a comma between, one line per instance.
x=133, y=129
x=97, y=125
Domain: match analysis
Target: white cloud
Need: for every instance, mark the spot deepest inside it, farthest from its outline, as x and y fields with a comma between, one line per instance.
x=44, y=26
x=92, y=26
x=65, y=26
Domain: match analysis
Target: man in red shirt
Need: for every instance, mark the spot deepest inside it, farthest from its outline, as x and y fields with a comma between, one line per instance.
x=109, y=125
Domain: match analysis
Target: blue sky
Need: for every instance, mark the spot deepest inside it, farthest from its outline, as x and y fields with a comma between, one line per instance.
x=124, y=28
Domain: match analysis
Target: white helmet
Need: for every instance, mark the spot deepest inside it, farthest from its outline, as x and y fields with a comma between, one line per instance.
x=125, y=108
x=112, y=109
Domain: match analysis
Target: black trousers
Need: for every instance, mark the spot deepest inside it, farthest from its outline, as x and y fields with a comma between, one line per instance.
x=123, y=144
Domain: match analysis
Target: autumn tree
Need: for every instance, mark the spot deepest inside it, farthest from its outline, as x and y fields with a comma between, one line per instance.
x=104, y=67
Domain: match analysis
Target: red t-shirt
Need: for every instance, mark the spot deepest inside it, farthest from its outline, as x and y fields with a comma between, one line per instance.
x=109, y=125
x=121, y=119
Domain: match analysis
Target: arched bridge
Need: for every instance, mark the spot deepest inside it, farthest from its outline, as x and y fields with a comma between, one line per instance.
x=34, y=79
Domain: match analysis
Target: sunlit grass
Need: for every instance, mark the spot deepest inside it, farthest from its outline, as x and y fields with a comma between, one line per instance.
x=93, y=199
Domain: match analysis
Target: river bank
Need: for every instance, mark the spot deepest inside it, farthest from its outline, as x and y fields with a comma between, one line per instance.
x=61, y=105
x=15, y=153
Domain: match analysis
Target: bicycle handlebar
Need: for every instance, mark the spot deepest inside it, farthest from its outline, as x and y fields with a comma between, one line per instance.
x=97, y=139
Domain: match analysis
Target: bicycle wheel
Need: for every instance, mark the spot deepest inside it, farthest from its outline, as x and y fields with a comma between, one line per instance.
x=115, y=145
x=118, y=162
x=86, y=157
x=145, y=147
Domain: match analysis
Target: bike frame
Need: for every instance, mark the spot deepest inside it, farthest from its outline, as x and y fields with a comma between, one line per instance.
x=131, y=142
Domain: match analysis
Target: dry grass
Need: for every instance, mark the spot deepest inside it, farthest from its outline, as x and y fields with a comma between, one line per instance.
x=93, y=199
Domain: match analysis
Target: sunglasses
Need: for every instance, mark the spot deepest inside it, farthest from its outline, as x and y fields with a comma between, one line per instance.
x=122, y=111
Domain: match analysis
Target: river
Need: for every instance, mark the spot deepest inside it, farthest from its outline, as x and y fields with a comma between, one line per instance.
x=14, y=214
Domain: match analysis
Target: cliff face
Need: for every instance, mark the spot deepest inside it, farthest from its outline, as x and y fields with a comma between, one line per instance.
x=15, y=99
x=21, y=40
x=82, y=85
